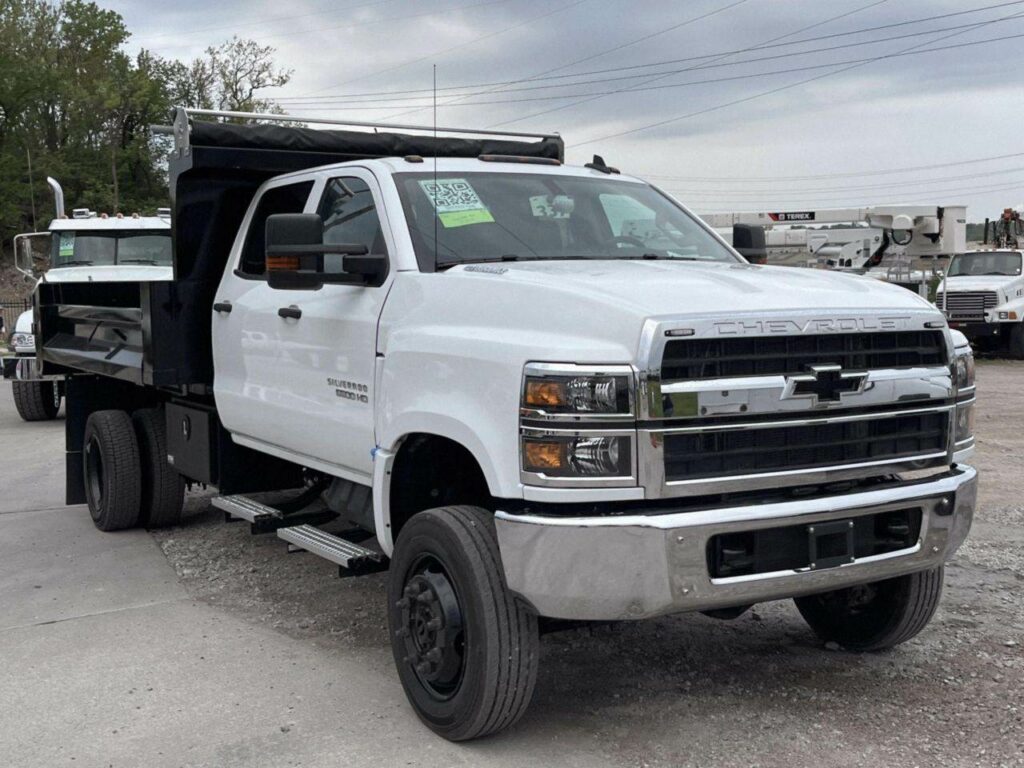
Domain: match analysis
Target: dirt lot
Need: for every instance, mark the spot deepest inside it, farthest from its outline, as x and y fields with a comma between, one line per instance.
x=690, y=690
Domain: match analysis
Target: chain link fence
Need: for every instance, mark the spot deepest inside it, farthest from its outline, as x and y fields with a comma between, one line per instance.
x=9, y=311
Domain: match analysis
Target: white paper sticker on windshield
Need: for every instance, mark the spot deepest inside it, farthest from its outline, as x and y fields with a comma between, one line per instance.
x=456, y=202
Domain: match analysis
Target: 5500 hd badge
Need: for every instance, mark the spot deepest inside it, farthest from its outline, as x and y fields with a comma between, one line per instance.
x=350, y=390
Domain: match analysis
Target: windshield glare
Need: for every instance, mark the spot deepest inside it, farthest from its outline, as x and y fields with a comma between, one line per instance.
x=985, y=263
x=73, y=249
x=522, y=216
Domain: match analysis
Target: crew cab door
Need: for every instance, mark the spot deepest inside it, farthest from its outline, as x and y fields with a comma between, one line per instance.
x=295, y=368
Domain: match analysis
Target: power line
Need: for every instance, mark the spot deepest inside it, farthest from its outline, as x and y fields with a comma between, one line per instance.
x=714, y=63
x=917, y=194
x=605, y=52
x=779, y=89
x=746, y=76
x=761, y=193
x=851, y=174
x=378, y=95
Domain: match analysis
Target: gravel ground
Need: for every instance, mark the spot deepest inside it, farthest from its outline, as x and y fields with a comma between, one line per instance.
x=761, y=690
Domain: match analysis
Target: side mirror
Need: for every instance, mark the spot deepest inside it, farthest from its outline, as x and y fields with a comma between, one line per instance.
x=298, y=259
x=749, y=240
x=32, y=253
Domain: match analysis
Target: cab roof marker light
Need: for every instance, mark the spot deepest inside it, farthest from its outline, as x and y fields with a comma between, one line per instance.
x=935, y=324
x=675, y=332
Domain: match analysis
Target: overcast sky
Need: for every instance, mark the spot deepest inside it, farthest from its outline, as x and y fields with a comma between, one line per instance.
x=854, y=132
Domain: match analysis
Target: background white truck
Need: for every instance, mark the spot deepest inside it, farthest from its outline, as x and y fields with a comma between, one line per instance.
x=535, y=393
x=982, y=295
x=83, y=248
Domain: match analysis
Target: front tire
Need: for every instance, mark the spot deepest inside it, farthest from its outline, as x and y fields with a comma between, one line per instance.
x=36, y=400
x=466, y=650
x=1017, y=342
x=873, y=617
x=113, y=476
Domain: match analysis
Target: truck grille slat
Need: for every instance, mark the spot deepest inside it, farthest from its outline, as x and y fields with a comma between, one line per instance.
x=730, y=453
x=692, y=359
x=966, y=305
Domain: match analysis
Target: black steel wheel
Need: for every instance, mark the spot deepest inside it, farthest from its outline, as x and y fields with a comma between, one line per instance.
x=36, y=400
x=876, y=616
x=113, y=477
x=465, y=649
x=163, y=489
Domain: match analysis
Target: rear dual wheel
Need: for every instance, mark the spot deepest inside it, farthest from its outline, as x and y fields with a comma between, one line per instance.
x=465, y=649
x=128, y=481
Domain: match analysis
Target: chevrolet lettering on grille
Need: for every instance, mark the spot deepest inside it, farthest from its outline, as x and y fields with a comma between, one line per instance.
x=825, y=383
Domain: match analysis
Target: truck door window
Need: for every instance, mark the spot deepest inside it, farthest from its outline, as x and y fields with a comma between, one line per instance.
x=290, y=198
x=350, y=215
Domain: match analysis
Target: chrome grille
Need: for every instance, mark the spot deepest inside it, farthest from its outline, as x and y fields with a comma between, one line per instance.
x=966, y=305
x=715, y=358
x=763, y=448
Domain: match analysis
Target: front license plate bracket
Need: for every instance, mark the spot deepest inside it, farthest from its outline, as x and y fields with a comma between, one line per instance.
x=830, y=544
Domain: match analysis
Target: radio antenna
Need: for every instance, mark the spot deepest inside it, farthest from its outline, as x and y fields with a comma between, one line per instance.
x=436, y=213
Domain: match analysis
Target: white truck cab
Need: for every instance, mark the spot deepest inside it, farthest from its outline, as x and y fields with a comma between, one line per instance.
x=84, y=247
x=982, y=295
x=534, y=393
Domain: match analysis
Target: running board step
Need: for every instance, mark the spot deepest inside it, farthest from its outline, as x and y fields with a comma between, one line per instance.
x=352, y=559
x=265, y=519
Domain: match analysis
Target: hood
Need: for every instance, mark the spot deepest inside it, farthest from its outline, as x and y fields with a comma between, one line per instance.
x=980, y=282
x=24, y=322
x=652, y=288
x=113, y=273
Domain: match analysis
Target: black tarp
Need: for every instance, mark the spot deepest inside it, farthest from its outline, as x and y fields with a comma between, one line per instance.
x=361, y=145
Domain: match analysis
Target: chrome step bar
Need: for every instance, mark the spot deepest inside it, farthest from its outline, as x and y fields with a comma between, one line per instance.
x=353, y=558
x=245, y=508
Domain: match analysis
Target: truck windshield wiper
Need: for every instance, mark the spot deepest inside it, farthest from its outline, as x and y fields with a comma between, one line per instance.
x=489, y=260
x=136, y=261
x=76, y=263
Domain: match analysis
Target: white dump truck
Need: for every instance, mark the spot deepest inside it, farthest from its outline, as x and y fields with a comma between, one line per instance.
x=533, y=393
x=84, y=247
x=982, y=295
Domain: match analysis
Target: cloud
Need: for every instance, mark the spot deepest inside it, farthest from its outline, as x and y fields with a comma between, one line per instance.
x=921, y=110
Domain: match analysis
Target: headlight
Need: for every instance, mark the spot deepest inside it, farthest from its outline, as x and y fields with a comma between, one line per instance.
x=553, y=390
x=578, y=456
x=23, y=340
x=964, y=422
x=964, y=370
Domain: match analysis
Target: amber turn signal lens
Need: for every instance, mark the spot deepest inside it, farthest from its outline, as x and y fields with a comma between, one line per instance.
x=282, y=263
x=545, y=393
x=540, y=456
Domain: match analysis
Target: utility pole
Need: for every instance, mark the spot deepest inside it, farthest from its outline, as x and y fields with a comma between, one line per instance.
x=31, y=186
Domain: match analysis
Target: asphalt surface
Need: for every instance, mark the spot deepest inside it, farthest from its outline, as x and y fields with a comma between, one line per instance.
x=205, y=646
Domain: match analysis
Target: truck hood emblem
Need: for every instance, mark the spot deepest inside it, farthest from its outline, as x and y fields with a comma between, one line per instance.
x=825, y=383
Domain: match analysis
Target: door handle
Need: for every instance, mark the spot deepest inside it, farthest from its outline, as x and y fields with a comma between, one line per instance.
x=222, y=306
x=292, y=312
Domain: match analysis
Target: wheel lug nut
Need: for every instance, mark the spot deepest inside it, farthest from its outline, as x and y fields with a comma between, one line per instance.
x=434, y=624
x=433, y=655
x=403, y=603
x=425, y=597
x=423, y=667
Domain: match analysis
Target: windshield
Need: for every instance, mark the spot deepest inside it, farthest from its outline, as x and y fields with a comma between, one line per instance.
x=524, y=216
x=79, y=249
x=985, y=263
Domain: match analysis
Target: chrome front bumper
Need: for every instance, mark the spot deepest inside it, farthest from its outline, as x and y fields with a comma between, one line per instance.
x=638, y=566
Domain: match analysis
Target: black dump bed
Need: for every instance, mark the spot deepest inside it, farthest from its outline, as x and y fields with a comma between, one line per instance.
x=159, y=333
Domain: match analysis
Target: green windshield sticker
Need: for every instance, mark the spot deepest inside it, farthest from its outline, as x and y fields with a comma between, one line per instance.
x=456, y=202
x=67, y=244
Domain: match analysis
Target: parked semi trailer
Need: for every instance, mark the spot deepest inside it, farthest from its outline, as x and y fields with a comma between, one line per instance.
x=81, y=248
x=535, y=393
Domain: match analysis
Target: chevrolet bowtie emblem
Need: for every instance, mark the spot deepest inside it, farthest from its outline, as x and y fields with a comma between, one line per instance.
x=826, y=383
